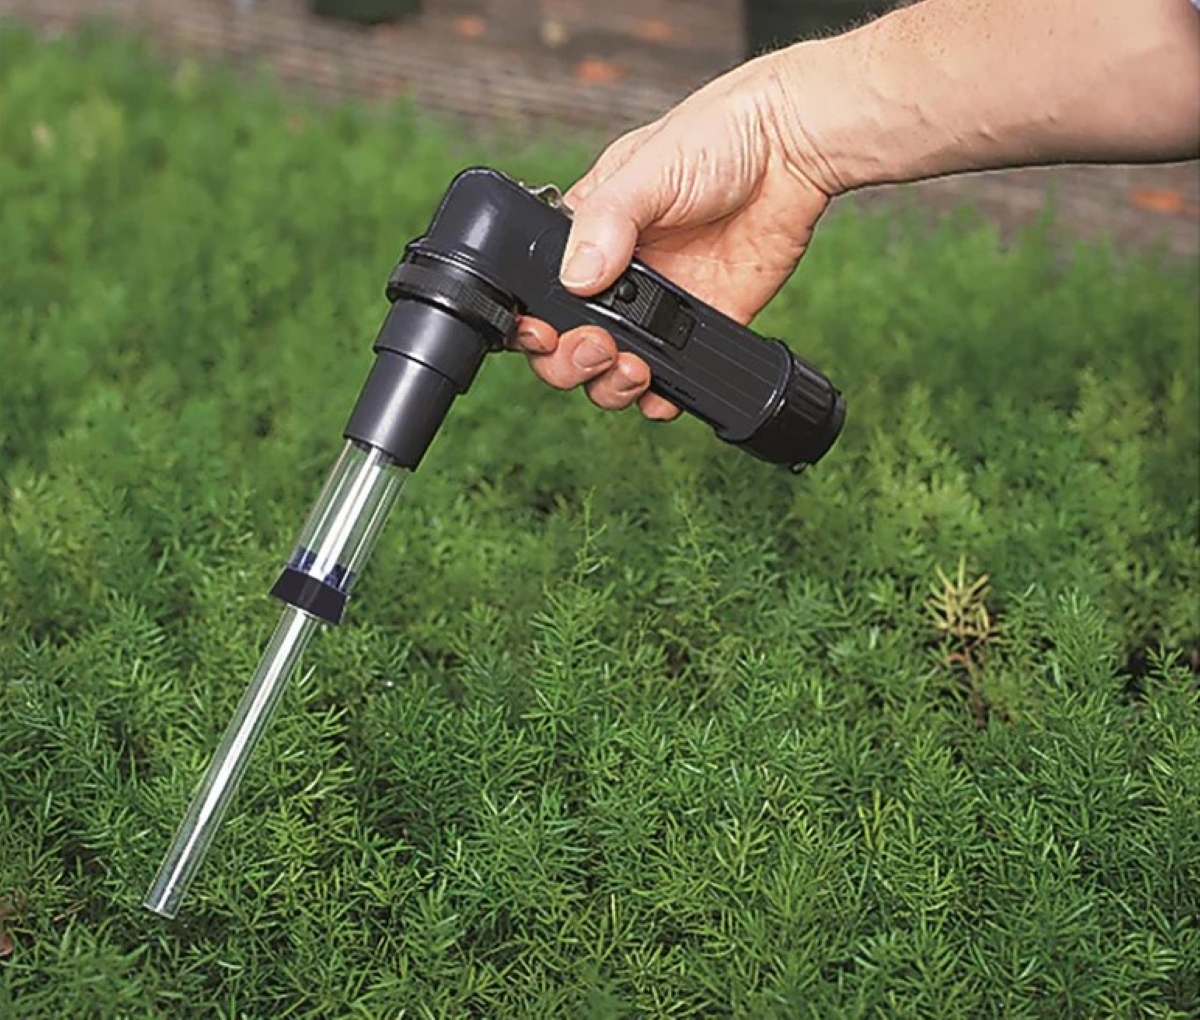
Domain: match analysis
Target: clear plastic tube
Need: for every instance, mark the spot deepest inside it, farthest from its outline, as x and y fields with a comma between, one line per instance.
x=335, y=541
x=347, y=517
x=211, y=799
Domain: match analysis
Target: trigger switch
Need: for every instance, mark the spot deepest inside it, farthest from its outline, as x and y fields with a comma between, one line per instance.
x=626, y=291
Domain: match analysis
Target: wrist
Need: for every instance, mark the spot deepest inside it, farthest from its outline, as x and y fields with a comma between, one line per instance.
x=828, y=115
x=847, y=118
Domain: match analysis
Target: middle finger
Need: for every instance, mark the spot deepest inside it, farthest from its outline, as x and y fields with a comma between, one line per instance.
x=580, y=355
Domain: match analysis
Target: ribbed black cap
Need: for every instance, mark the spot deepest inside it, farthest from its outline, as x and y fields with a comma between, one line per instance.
x=806, y=423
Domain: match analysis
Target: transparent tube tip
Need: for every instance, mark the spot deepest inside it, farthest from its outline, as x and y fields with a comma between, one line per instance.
x=219, y=783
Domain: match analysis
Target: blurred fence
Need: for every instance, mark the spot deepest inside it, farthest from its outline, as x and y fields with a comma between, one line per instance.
x=573, y=62
x=601, y=67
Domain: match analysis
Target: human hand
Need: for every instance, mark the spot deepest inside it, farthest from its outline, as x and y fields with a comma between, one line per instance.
x=713, y=196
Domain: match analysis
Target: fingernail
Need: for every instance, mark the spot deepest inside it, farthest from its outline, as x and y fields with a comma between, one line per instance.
x=591, y=354
x=583, y=267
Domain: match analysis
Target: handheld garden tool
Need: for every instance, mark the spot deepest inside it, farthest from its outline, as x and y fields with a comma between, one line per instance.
x=491, y=253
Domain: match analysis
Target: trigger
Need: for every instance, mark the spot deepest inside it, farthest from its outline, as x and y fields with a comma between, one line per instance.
x=644, y=303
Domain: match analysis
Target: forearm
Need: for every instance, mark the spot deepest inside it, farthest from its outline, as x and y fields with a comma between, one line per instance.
x=948, y=86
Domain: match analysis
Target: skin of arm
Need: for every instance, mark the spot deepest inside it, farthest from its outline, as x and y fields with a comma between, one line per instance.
x=947, y=86
x=723, y=192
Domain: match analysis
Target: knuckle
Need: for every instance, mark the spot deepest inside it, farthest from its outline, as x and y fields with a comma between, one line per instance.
x=656, y=408
x=552, y=371
x=606, y=397
x=631, y=377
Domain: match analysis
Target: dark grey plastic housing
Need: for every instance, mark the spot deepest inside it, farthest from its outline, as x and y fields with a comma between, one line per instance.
x=492, y=252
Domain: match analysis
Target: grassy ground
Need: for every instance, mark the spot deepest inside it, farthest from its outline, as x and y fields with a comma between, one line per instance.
x=622, y=723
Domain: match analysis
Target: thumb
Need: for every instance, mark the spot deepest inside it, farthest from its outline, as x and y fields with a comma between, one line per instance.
x=605, y=228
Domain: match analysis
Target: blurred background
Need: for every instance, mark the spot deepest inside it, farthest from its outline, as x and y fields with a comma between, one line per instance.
x=598, y=68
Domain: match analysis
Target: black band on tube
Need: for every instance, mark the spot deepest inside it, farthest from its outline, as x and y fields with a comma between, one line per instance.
x=321, y=600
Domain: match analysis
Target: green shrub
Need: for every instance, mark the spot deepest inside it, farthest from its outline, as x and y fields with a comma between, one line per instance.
x=621, y=723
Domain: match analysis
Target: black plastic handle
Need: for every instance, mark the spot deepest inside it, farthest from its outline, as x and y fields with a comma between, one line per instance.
x=753, y=391
x=492, y=252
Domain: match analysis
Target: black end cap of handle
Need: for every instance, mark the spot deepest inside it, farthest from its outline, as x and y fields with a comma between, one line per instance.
x=806, y=423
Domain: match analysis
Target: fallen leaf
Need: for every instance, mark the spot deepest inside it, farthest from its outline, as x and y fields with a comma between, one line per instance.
x=1162, y=200
x=6, y=944
x=469, y=26
x=655, y=30
x=553, y=33
x=595, y=71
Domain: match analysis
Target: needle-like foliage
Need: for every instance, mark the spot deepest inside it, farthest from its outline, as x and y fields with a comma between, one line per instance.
x=621, y=723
